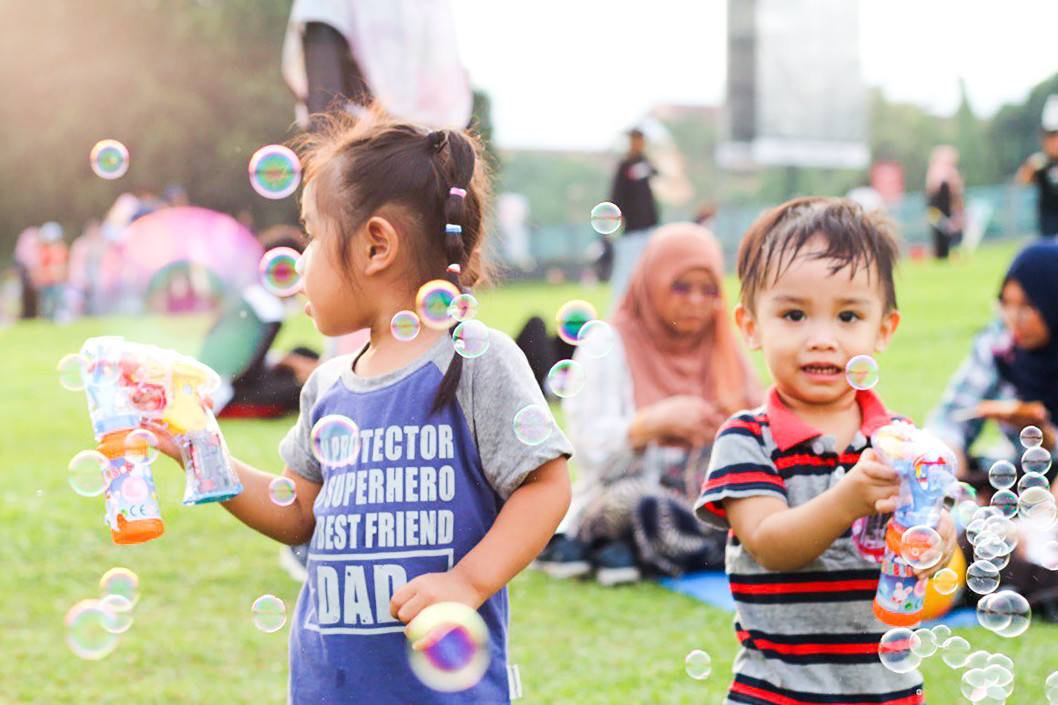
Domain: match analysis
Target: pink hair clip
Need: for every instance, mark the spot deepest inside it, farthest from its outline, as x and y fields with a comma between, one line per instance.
x=454, y=191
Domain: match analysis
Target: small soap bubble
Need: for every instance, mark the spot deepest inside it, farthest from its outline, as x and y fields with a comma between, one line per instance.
x=532, y=425
x=1032, y=479
x=86, y=632
x=566, y=378
x=120, y=581
x=1005, y=529
x=571, y=317
x=941, y=632
x=922, y=547
x=989, y=545
x=982, y=577
x=1010, y=611
x=1000, y=561
x=141, y=445
x=895, y=652
x=463, y=307
x=955, y=651
x=335, y=440
x=471, y=338
x=109, y=159
x=118, y=612
x=71, y=371
x=1001, y=660
x=1036, y=459
x=275, y=171
x=923, y=643
x=1006, y=502
x=282, y=491
x=985, y=512
x=988, y=617
x=1002, y=475
x=448, y=647
x=596, y=338
x=404, y=326
x=433, y=301
x=269, y=613
x=606, y=218
x=945, y=581
x=1037, y=507
x=698, y=665
x=87, y=473
x=1031, y=437
x=1049, y=559
x=279, y=271
x=861, y=371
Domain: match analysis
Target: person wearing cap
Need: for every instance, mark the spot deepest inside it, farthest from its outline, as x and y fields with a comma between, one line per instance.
x=631, y=193
x=1041, y=169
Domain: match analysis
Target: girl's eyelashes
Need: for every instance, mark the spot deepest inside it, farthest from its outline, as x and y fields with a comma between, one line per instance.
x=849, y=316
x=793, y=315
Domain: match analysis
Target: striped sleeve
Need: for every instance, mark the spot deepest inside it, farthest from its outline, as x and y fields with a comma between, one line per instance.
x=738, y=467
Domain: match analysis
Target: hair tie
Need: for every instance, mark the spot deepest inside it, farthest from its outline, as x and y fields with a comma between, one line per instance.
x=454, y=229
x=455, y=191
x=437, y=140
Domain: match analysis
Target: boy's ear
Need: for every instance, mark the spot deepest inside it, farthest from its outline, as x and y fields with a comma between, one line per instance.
x=748, y=325
x=890, y=321
x=380, y=244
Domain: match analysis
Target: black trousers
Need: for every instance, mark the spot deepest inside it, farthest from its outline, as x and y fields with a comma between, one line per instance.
x=334, y=76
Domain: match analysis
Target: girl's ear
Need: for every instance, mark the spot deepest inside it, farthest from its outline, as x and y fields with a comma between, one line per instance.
x=380, y=245
x=890, y=321
x=748, y=325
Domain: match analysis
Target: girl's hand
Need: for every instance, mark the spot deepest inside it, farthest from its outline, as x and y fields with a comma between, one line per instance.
x=1015, y=413
x=431, y=588
x=946, y=528
x=870, y=487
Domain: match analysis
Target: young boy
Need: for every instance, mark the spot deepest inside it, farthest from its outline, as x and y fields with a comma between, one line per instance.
x=791, y=477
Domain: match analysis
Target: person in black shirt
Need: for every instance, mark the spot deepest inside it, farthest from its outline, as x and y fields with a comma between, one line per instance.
x=944, y=199
x=1041, y=169
x=632, y=194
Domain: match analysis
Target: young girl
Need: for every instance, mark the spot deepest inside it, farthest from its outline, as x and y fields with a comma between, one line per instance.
x=441, y=502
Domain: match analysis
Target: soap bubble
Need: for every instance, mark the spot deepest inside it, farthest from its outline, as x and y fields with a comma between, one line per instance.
x=1002, y=475
x=471, y=338
x=1001, y=660
x=269, y=613
x=109, y=159
x=922, y=547
x=335, y=440
x=118, y=612
x=571, y=317
x=606, y=218
x=1006, y=502
x=86, y=632
x=923, y=643
x=941, y=633
x=433, y=301
x=945, y=581
x=404, y=326
x=895, y=652
x=1036, y=459
x=986, y=511
x=1009, y=613
x=982, y=577
x=87, y=473
x=275, y=171
x=71, y=368
x=698, y=665
x=1033, y=479
x=463, y=307
x=988, y=617
x=596, y=338
x=282, y=491
x=989, y=546
x=566, y=378
x=120, y=581
x=279, y=271
x=1005, y=529
x=448, y=646
x=141, y=445
x=1036, y=506
x=1031, y=436
x=861, y=371
x=955, y=651
x=532, y=425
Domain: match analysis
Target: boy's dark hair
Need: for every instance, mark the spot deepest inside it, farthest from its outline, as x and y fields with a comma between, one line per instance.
x=373, y=161
x=853, y=237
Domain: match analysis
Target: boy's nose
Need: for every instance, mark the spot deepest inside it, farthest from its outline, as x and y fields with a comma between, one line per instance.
x=822, y=337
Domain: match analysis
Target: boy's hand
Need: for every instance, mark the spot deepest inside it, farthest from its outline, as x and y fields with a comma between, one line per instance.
x=869, y=487
x=946, y=528
x=430, y=588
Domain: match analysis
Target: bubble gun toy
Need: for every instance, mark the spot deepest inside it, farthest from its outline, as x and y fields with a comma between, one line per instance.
x=130, y=386
x=927, y=471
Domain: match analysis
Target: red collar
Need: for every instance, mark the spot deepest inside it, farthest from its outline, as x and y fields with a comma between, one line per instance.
x=788, y=429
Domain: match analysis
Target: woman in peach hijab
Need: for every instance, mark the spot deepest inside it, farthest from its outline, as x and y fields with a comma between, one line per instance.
x=645, y=420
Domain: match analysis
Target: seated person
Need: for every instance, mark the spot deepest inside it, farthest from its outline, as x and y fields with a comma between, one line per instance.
x=644, y=422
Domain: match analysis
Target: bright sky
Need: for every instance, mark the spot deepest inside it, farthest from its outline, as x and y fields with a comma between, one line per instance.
x=570, y=74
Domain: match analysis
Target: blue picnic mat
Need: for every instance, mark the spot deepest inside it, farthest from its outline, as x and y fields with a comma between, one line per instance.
x=711, y=588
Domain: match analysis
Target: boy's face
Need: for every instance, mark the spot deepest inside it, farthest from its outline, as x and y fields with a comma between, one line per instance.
x=1050, y=143
x=811, y=321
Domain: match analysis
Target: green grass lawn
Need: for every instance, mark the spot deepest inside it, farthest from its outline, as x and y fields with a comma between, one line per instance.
x=193, y=641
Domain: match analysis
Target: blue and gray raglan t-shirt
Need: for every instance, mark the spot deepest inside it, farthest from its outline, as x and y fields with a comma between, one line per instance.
x=421, y=493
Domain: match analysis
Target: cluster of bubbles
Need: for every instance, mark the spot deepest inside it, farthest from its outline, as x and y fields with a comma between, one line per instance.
x=93, y=625
x=335, y=440
x=269, y=614
x=280, y=271
x=448, y=647
x=109, y=159
x=275, y=171
x=698, y=664
x=861, y=372
x=606, y=218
